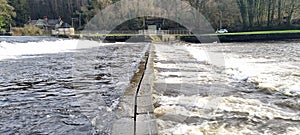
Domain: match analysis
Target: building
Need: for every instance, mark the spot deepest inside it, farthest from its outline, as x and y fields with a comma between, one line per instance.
x=48, y=24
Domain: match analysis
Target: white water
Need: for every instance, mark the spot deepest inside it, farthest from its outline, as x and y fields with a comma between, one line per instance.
x=275, y=76
x=13, y=50
x=281, y=76
x=217, y=106
x=230, y=112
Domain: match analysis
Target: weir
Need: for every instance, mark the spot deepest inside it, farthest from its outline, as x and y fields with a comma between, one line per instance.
x=135, y=114
x=183, y=35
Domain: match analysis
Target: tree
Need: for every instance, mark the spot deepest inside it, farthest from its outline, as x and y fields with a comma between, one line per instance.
x=231, y=14
x=291, y=11
x=243, y=10
x=6, y=13
x=22, y=11
x=250, y=13
x=279, y=13
x=89, y=10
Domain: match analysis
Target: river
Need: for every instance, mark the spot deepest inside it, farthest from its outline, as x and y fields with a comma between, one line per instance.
x=62, y=86
x=228, y=88
x=54, y=86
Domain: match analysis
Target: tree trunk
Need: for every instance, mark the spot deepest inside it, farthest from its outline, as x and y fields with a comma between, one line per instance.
x=269, y=12
x=250, y=13
x=243, y=11
x=273, y=11
x=279, y=13
x=291, y=12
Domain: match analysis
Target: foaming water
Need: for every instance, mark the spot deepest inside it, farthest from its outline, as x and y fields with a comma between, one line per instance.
x=267, y=74
x=23, y=47
x=253, y=90
x=221, y=115
x=26, y=39
x=273, y=67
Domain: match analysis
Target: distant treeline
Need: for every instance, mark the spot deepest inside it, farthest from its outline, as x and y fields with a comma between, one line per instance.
x=250, y=14
x=79, y=10
x=237, y=15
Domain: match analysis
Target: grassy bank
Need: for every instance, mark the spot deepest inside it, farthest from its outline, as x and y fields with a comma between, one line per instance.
x=263, y=32
x=254, y=36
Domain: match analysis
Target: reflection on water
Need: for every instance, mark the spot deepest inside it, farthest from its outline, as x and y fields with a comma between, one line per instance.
x=65, y=93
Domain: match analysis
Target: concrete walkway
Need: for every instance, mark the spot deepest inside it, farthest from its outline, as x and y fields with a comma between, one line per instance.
x=171, y=71
x=135, y=112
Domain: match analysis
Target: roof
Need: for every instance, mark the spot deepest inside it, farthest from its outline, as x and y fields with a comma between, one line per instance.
x=43, y=22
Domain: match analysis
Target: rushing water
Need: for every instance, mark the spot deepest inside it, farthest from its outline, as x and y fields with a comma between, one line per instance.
x=49, y=86
x=56, y=86
x=231, y=88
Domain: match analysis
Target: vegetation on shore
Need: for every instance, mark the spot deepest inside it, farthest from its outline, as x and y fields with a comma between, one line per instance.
x=28, y=31
x=6, y=14
x=234, y=15
x=263, y=32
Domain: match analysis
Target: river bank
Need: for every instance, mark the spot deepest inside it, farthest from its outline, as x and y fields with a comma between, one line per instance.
x=255, y=36
x=228, y=38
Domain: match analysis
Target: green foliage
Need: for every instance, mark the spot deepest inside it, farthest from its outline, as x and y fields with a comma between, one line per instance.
x=1, y=21
x=6, y=13
x=2, y=31
x=28, y=31
x=22, y=11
